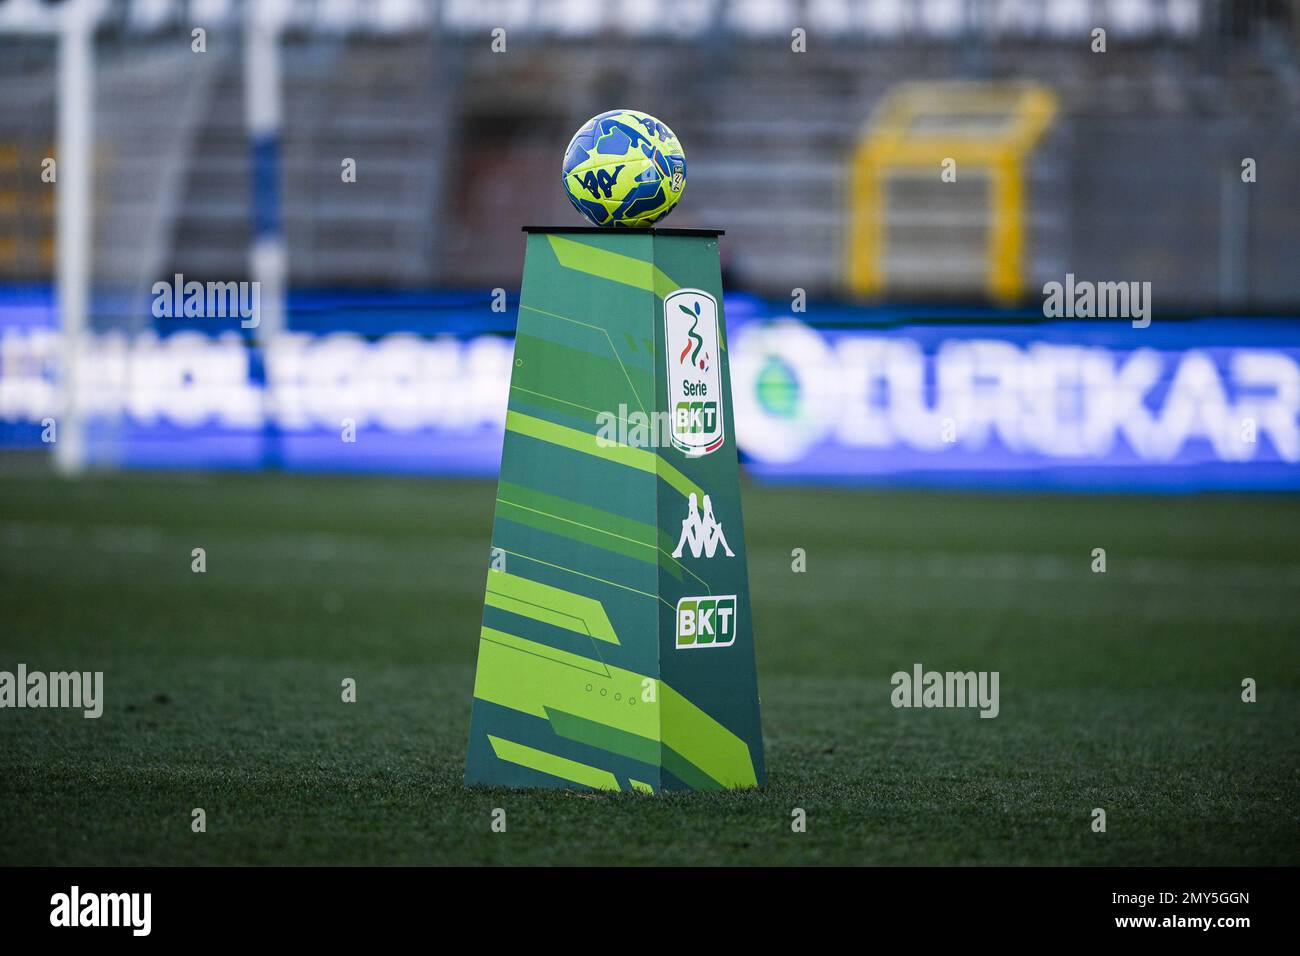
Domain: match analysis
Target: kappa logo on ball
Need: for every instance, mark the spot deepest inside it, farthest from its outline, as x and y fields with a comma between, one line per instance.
x=708, y=621
x=694, y=371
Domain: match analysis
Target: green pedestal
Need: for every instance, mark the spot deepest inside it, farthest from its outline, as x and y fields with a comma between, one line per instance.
x=616, y=650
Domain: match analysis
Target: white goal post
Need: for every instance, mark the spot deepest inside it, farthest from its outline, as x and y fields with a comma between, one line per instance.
x=112, y=230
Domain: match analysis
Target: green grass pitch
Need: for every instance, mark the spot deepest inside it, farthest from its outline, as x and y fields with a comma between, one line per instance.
x=1118, y=690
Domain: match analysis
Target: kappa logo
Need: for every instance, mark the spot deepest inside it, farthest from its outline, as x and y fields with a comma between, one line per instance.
x=706, y=621
x=694, y=371
x=600, y=179
x=702, y=534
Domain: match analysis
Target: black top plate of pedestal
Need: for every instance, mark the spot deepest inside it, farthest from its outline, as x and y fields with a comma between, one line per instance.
x=606, y=229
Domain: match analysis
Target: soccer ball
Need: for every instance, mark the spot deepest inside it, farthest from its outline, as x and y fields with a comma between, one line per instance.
x=624, y=168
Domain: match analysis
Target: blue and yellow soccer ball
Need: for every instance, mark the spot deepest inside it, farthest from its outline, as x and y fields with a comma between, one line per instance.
x=624, y=168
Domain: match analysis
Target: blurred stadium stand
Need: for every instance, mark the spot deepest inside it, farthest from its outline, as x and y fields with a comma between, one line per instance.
x=457, y=145
x=822, y=166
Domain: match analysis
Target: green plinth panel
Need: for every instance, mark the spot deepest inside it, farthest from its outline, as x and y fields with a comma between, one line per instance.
x=616, y=651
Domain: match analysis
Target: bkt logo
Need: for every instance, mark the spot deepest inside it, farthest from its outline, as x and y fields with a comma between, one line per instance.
x=694, y=371
x=694, y=418
x=706, y=621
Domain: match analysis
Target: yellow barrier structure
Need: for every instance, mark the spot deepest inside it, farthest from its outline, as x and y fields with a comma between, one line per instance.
x=987, y=127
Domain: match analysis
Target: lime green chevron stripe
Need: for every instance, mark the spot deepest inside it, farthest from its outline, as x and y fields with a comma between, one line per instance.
x=689, y=774
x=608, y=522
x=603, y=529
x=675, y=479
x=587, y=443
x=528, y=676
x=616, y=267
x=550, y=605
x=556, y=766
x=588, y=525
x=703, y=743
x=560, y=656
x=571, y=692
x=576, y=440
x=604, y=737
x=639, y=785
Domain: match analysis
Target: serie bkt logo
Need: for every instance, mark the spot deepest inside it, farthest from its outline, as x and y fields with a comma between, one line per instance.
x=708, y=621
x=694, y=376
